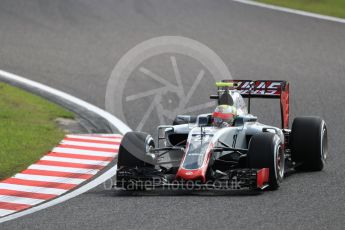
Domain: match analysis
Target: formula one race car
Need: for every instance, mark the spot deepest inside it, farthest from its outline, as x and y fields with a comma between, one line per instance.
x=227, y=149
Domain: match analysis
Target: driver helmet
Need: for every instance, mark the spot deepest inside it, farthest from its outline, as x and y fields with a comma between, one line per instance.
x=224, y=115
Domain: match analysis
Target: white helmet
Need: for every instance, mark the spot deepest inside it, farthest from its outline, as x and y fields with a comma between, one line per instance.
x=224, y=114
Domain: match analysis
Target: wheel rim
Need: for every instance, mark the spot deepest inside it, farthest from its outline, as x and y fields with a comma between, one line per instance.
x=324, y=144
x=149, y=144
x=280, y=163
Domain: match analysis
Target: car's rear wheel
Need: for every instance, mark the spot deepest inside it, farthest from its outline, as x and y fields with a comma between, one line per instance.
x=266, y=151
x=309, y=143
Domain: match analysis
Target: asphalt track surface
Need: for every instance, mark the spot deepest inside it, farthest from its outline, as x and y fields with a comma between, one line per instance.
x=74, y=45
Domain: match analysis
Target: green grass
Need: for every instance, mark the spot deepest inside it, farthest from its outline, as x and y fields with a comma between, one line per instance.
x=27, y=128
x=334, y=8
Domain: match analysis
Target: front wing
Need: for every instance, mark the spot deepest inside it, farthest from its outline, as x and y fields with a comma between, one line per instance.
x=232, y=180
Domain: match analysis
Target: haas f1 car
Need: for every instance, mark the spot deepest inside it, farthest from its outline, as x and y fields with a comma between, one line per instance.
x=227, y=149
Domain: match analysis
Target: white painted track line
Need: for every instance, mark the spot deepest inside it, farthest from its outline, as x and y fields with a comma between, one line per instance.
x=104, y=135
x=95, y=138
x=29, y=189
x=20, y=200
x=122, y=127
x=108, y=174
x=35, y=189
x=93, y=145
x=111, y=138
x=64, y=169
x=75, y=160
x=54, y=179
x=83, y=152
x=291, y=11
x=4, y=212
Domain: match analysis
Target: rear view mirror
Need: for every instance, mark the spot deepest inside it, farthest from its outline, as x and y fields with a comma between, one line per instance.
x=184, y=119
x=202, y=121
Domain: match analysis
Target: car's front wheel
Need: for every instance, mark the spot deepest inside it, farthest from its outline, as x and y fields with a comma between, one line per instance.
x=266, y=151
x=133, y=150
x=133, y=158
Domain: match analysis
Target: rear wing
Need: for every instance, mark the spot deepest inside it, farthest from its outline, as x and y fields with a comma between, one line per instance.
x=263, y=89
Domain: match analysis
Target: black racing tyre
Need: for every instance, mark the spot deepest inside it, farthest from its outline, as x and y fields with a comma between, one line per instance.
x=309, y=143
x=265, y=151
x=133, y=150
